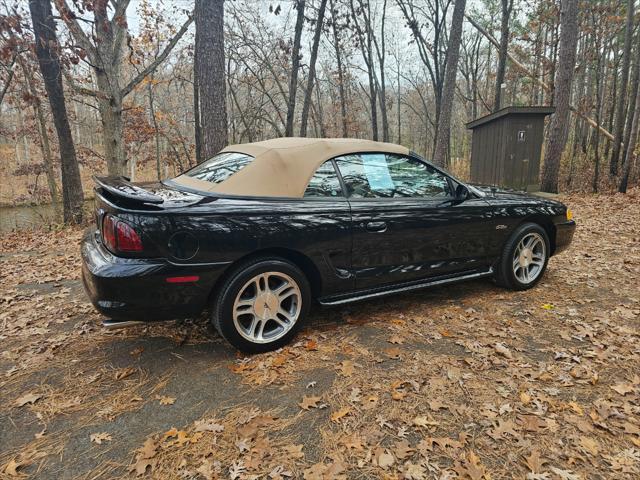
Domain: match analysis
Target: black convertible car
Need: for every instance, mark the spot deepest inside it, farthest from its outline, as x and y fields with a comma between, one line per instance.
x=260, y=230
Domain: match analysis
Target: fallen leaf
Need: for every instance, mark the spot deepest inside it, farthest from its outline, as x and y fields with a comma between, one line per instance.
x=336, y=416
x=425, y=421
x=402, y=450
x=165, y=400
x=315, y=472
x=565, y=474
x=12, y=467
x=471, y=467
x=623, y=388
x=385, y=459
x=394, y=353
x=589, y=445
x=98, y=438
x=311, y=345
x=346, y=368
x=532, y=423
x=143, y=464
x=295, y=451
x=309, y=402
x=30, y=398
x=534, y=461
x=208, y=426
x=503, y=350
x=352, y=442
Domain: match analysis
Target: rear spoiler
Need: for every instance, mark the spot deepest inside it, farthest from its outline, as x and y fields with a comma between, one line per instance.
x=122, y=187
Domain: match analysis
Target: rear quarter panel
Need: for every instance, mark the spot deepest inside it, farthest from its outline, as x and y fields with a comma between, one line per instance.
x=229, y=229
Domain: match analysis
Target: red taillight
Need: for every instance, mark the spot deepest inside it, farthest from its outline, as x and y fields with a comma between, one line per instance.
x=128, y=239
x=119, y=236
x=109, y=232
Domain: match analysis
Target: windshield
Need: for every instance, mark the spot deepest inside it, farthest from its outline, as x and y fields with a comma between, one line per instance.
x=220, y=167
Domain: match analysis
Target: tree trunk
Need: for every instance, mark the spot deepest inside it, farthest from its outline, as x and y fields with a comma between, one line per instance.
x=598, y=107
x=196, y=102
x=295, y=66
x=46, y=47
x=562, y=94
x=112, y=130
x=343, y=101
x=381, y=53
x=622, y=96
x=45, y=146
x=634, y=108
x=633, y=92
x=631, y=155
x=398, y=98
x=448, y=90
x=156, y=130
x=209, y=16
x=507, y=6
x=365, y=42
x=312, y=68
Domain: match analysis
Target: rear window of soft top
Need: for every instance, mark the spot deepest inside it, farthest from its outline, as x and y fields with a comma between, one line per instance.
x=220, y=167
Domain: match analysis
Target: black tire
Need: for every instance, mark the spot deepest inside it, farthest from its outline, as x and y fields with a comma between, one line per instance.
x=222, y=315
x=505, y=275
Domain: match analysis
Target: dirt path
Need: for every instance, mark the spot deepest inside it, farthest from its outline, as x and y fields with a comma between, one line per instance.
x=468, y=381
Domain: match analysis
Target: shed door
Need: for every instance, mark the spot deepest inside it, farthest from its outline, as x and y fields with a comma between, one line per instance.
x=521, y=148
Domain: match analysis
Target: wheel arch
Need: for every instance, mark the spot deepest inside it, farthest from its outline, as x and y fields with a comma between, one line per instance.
x=297, y=258
x=548, y=226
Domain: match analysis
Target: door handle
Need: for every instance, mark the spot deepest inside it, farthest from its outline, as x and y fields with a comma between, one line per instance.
x=376, y=227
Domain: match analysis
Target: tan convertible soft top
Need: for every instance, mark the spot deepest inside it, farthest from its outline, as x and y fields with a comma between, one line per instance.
x=283, y=166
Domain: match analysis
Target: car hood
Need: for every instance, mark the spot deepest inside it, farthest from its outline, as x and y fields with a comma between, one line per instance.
x=506, y=194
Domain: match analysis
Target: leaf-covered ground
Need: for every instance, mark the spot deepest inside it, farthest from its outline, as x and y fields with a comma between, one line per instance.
x=468, y=381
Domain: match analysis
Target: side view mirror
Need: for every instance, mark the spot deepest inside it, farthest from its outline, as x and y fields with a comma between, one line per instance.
x=462, y=193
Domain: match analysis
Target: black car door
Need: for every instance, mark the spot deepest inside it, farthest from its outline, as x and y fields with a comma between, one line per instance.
x=406, y=224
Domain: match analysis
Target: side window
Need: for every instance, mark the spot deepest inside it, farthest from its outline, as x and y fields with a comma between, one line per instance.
x=387, y=175
x=324, y=182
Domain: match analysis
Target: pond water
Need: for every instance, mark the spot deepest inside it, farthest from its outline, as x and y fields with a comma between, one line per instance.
x=30, y=216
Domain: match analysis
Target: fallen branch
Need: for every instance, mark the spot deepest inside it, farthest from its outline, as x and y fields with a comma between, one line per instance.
x=544, y=85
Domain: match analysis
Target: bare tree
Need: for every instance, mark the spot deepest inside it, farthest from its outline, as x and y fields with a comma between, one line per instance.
x=45, y=145
x=622, y=94
x=444, y=126
x=209, y=17
x=295, y=67
x=632, y=99
x=47, y=52
x=507, y=7
x=428, y=24
x=105, y=50
x=338, y=50
x=364, y=34
x=312, y=68
x=634, y=109
x=564, y=76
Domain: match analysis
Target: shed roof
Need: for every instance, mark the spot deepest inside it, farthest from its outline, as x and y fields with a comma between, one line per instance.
x=282, y=167
x=531, y=110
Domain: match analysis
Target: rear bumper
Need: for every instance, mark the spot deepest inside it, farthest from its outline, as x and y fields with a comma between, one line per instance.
x=137, y=289
x=564, y=235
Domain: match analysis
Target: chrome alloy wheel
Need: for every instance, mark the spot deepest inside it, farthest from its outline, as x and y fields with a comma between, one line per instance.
x=529, y=258
x=267, y=307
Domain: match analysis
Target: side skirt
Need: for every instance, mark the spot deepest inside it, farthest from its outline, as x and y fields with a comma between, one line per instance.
x=367, y=294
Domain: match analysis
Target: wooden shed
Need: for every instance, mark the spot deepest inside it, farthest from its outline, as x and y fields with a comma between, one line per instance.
x=506, y=146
